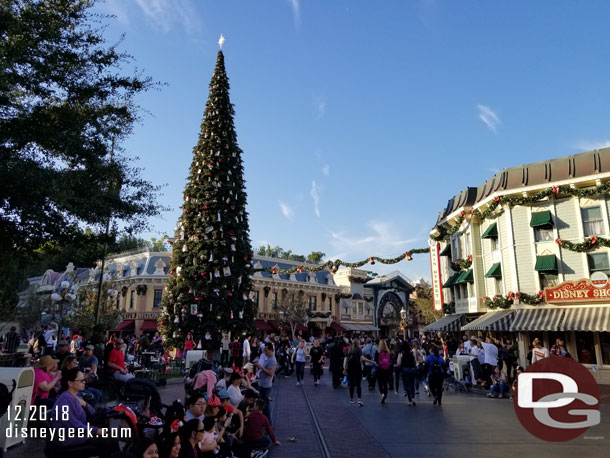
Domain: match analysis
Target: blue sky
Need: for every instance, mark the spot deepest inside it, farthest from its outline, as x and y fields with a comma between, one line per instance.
x=359, y=120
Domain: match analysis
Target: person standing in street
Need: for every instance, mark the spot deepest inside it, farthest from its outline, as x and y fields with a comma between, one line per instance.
x=189, y=343
x=336, y=361
x=266, y=371
x=299, y=361
x=235, y=351
x=353, y=369
x=246, y=351
x=408, y=370
x=383, y=358
x=11, y=341
x=539, y=351
x=369, y=351
x=436, y=374
x=317, y=360
x=224, y=346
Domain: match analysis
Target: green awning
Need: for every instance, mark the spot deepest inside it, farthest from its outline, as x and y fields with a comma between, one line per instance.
x=446, y=251
x=465, y=277
x=490, y=232
x=546, y=263
x=451, y=280
x=495, y=271
x=541, y=219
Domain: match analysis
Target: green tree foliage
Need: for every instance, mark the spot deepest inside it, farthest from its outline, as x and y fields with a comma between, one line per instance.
x=83, y=313
x=29, y=315
x=64, y=106
x=278, y=252
x=209, y=285
x=424, y=304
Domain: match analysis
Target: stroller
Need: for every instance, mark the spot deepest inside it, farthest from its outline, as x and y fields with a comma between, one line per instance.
x=142, y=397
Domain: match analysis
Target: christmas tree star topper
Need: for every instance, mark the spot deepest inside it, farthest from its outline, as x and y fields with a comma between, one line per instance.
x=221, y=41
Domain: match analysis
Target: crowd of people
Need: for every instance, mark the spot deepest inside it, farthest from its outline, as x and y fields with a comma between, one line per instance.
x=227, y=411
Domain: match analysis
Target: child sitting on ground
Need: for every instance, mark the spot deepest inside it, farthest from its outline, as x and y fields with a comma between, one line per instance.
x=209, y=443
x=256, y=425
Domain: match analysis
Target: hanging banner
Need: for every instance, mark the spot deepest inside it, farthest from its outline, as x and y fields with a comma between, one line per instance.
x=437, y=281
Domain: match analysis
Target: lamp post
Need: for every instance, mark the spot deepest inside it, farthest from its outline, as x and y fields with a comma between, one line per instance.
x=403, y=322
x=62, y=296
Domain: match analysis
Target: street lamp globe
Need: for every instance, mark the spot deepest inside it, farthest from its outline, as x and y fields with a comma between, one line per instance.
x=403, y=313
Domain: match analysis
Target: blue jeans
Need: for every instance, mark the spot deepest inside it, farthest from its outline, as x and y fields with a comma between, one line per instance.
x=97, y=395
x=264, y=394
x=300, y=370
x=408, y=381
x=499, y=389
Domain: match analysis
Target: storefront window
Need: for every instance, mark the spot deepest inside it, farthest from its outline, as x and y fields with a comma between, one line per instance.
x=548, y=280
x=585, y=348
x=604, y=340
x=553, y=336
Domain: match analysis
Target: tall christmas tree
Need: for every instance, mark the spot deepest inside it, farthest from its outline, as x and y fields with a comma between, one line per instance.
x=208, y=292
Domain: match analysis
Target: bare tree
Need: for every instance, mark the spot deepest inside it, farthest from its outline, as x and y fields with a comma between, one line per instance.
x=292, y=308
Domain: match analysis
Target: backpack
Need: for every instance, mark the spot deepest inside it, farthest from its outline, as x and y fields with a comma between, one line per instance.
x=384, y=360
x=436, y=368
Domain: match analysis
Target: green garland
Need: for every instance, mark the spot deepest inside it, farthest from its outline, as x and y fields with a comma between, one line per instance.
x=334, y=265
x=590, y=244
x=461, y=264
x=449, y=309
x=513, y=201
x=504, y=302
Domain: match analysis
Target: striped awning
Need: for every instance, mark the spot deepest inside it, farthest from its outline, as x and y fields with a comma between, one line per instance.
x=491, y=321
x=587, y=319
x=450, y=323
x=540, y=319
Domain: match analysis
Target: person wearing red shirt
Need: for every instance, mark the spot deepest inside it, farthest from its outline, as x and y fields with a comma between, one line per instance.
x=116, y=363
x=188, y=344
x=256, y=425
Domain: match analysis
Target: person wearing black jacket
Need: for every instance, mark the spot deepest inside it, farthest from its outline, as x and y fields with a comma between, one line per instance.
x=336, y=361
x=317, y=360
x=408, y=369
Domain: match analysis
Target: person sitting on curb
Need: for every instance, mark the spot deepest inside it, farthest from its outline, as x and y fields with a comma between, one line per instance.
x=498, y=387
x=256, y=426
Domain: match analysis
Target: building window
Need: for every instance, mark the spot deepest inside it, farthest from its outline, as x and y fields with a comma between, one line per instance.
x=455, y=248
x=157, y=298
x=254, y=297
x=498, y=285
x=118, y=302
x=458, y=292
x=494, y=243
x=312, y=303
x=543, y=234
x=548, y=280
x=592, y=221
x=604, y=340
x=274, y=299
x=360, y=308
x=132, y=299
x=598, y=262
x=585, y=348
x=368, y=311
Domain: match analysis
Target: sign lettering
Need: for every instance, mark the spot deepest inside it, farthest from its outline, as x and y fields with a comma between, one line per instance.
x=581, y=291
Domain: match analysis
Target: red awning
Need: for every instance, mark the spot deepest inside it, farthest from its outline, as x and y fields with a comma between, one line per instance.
x=125, y=325
x=149, y=325
x=299, y=327
x=336, y=327
x=262, y=325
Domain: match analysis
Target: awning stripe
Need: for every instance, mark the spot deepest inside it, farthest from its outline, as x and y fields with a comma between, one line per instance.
x=540, y=319
x=451, y=323
x=491, y=321
x=587, y=319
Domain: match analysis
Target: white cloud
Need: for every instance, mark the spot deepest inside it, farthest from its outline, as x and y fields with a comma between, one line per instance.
x=590, y=146
x=494, y=170
x=116, y=8
x=320, y=104
x=315, y=195
x=326, y=170
x=383, y=241
x=167, y=14
x=490, y=118
x=287, y=210
x=296, y=12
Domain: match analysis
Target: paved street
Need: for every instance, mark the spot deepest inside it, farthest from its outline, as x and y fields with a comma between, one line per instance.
x=466, y=425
